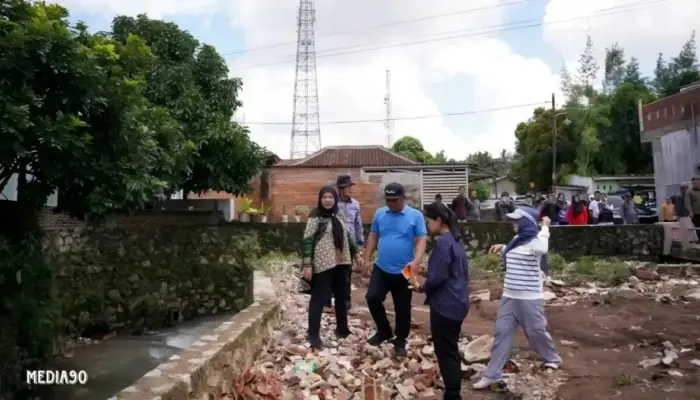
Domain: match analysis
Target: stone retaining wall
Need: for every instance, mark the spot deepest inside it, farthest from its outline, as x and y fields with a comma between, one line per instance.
x=209, y=368
x=130, y=280
x=569, y=241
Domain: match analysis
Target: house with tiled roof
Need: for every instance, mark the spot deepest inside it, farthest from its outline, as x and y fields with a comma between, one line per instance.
x=296, y=183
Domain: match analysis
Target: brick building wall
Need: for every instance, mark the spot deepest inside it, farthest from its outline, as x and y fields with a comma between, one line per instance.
x=292, y=187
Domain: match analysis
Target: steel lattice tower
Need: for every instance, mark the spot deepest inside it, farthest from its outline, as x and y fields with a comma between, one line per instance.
x=306, y=131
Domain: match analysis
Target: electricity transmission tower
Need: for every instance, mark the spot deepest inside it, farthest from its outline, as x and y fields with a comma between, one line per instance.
x=388, y=122
x=306, y=131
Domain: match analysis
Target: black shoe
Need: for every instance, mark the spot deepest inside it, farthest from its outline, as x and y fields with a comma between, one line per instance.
x=342, y=333
x=377, y=339
x=400, y=348
x=316, y=343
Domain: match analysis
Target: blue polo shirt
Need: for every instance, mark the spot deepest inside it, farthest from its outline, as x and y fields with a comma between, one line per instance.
x=397, y=233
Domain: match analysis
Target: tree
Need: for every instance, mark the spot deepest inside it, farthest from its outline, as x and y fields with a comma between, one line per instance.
x=483, y=190
x=534, y=149
x=192, y=81
x=632, y=73
x=76, y=120
x=481, y=159
x=615, y=70
x=680, y=71
x=412, y=148
x=440, y=158
x=587, y=70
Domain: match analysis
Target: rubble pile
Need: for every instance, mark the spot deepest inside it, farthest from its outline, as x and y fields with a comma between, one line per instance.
x=645, y=281
x=350, y=369
x=669, y=360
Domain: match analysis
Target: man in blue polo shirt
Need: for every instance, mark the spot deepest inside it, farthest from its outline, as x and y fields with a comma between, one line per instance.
x=398, y=232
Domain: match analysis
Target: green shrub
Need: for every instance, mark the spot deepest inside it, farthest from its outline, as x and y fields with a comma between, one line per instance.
x=30, y=313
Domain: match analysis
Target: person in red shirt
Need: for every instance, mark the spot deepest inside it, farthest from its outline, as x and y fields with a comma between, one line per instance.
x=577, y=213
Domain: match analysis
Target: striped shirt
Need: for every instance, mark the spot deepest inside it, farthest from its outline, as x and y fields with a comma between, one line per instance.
x=523, y=279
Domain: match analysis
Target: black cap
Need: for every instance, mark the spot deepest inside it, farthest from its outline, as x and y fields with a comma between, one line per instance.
x=394, y=191
x=343, y=181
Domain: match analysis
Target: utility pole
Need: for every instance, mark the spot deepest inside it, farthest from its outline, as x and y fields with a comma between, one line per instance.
x=554, y=145
x=387, y=101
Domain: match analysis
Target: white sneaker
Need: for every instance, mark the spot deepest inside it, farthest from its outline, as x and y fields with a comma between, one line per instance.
x=551, y=366
x=485, y=383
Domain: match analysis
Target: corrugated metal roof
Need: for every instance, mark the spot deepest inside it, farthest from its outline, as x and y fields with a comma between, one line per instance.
x=350, y=156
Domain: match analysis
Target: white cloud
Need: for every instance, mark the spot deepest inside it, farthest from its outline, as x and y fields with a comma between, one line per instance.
x=469, y=73
x=642, y=28
x=352, y=86
x=154, y=8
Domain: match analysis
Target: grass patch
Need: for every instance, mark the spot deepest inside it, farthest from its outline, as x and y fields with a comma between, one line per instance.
x=624, y=380
x=607, y=271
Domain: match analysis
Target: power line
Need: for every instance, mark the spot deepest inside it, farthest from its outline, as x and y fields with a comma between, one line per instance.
x=390, y=24
x=359, y=121
x=613, y=10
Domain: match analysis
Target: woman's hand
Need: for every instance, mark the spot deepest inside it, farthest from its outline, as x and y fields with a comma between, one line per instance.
x=497, y=248
x=546, y=221
x=359, y=261
x=307, y=273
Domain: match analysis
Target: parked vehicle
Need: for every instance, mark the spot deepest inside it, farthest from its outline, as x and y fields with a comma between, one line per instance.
x=645, y=214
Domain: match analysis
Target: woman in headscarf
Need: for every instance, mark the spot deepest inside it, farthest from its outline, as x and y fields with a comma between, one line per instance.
x=327, y=252
x=447, y=293
x=578, y=212
x=522, y=302
x=564, y=207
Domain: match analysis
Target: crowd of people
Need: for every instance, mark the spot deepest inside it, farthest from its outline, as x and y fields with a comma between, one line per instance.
x=333, y=241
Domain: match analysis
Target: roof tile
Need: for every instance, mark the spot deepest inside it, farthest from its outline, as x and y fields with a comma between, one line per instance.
x=350, y=156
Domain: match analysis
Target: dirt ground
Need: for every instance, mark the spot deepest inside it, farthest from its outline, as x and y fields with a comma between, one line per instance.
x=604, y=342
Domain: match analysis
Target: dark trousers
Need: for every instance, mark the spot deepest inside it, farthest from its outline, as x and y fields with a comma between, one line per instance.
x=696, y=220
x=349, y=296
x=323, y=286
x=445, y=333
x=380, y=284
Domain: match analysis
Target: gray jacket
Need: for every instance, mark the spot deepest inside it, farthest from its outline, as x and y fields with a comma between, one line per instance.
x=628, y=212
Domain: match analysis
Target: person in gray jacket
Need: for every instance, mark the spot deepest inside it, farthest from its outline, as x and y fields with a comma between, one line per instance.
x=628, y=211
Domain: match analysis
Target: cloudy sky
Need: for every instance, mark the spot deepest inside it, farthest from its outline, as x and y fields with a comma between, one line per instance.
x=445, y=56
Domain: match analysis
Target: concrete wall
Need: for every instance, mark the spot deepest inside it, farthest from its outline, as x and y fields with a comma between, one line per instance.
x=411, y=181
x=503, y=185
x=627, y=241
x=675, y=158
x=225, y=206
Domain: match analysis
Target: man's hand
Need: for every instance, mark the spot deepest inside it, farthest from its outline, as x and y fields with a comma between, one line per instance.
x=497, y=248
x=546, y=221
x=307, y=273
x=415, y=267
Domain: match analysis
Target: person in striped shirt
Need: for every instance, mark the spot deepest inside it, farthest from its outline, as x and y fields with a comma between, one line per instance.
x=522, y=302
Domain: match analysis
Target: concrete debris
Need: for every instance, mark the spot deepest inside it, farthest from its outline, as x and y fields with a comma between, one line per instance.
x=481, y=295
x=478, y=350
x=350, y=369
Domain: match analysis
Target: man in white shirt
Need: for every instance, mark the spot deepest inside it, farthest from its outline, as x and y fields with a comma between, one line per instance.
x=594, y=208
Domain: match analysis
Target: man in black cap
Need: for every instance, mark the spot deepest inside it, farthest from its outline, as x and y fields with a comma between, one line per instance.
x=398, y=233
x=350, y=209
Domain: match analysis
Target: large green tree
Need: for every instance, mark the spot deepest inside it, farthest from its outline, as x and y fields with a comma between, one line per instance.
x=413, y=149
x=114, y=121
x=681, y=70
x=191, y=80
x=75, y=119
x=603, y=136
